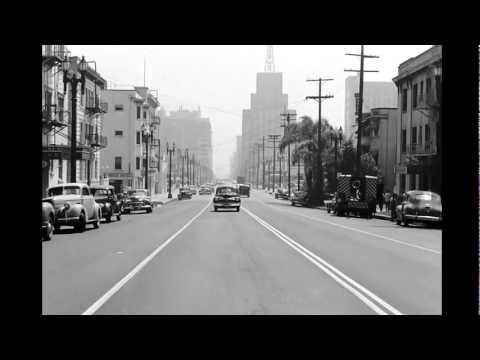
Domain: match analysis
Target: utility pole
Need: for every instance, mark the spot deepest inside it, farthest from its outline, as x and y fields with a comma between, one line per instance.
x=360, y=103
x=170, y=151
x=263, y=162
x=183, y=165
x=319, y=133
x=287, y=115
x=273, y=138
x=188, y=167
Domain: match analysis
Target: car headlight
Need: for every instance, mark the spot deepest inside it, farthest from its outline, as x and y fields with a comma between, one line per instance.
x=66, y=206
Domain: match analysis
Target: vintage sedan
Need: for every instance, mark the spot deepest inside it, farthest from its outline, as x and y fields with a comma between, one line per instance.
x=184, y=193
x=137, y=199
x=281, y=194
x=300, y=197
x=226, y=197
x=48, y=220
x=420, y=206
x=204, y=191
x=109, y=203
x=74, y=206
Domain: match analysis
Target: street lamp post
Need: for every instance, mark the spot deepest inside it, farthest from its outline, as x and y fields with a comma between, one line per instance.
x=74, y=73
x=170, y=151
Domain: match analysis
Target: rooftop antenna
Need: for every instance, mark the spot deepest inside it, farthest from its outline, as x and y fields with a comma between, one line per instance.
x=269, y=64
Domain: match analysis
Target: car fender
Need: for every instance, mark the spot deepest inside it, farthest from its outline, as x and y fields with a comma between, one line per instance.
x=98, y=210
x=75, y=210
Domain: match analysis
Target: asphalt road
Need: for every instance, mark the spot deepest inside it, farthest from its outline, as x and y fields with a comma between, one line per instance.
x=270, y=258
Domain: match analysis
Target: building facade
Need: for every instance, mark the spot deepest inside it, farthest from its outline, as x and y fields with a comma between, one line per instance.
x=419, y=83
x=376, y=94
x=379, y=137
x=132, y=123
x=57, y=124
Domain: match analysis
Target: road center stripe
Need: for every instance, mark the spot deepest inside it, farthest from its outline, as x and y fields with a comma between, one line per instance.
x=97, y=304
x=366, y=296
x=357, y=230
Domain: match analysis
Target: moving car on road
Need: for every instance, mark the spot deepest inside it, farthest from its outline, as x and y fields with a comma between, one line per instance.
x=109, y=203
x=244, y=190
x=74, y=206
x=281, y=194
x=300, y=197
x=205, y=191
x=184, y=193
x=48, y=220
x=420, y=206
x=226, y=197
x=138, y=199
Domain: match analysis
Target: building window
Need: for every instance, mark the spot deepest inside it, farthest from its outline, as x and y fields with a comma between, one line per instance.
x=138, y=163
x=404, y=100
x=421, y=91
x=414, y=135
x=118, y=163
x=60, y=169
x=402, y=183
x=144, y=163
x=413, y=181
x=427, y=133
x=415, y=94
x=404, y=140
x=138, y=137
x=119, y=107
x=138, y=112
x=144, y=114
x=428, y=88
x=420, y=128
x=118, y=132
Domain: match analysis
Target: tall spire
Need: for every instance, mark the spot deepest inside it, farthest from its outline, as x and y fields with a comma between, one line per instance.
x=269, y=64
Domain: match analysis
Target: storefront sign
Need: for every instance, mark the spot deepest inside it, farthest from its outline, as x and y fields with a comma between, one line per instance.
x=119, y=175
x=400, y=169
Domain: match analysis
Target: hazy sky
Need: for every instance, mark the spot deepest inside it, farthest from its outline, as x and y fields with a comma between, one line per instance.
x=220, y=78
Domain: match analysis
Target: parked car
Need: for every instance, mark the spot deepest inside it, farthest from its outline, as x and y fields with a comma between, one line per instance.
x=300, y=197
x=205, y=191
x=420, y=206
x=138, y=199
x=281, y=194
x=104, y=196
x=330, y=202
x=244, y=190
x=74, y=206
x=184, y=193
x=226, y=197
x=48, y=220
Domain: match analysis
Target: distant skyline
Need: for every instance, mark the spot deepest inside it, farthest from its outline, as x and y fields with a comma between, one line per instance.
x=220, y=78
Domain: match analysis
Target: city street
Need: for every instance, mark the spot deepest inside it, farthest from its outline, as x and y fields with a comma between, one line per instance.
x=271, y=258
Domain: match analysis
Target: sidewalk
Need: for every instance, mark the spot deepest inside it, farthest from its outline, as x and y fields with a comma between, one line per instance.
x=162, y=198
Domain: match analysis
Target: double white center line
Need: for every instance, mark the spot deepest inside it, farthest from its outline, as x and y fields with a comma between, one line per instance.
x=374, y=302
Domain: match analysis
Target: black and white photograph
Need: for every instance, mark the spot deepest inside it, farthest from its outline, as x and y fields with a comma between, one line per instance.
x=242, y=179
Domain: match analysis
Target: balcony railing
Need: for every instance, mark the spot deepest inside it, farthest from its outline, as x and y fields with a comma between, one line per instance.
x=53, y=54
x=94, y=106
x=427, y=148
x=54, y=118
x=97, y=140
x=156, y=120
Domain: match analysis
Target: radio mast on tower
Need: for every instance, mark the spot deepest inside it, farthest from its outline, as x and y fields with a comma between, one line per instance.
x=269, y=64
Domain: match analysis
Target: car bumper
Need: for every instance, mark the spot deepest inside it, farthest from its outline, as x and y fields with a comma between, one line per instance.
x=226, y=205
x=68, y=221
x=423, y=218
x=137, y=207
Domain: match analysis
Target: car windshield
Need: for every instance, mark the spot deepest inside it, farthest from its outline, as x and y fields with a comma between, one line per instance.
x=98, y=193
x=226, y=190
x=64, y=190
x=137, y=193
x=425, y=197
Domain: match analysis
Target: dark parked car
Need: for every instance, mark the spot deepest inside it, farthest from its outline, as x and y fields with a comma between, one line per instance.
x=48, y=220
x=226, y=197
x=300, y=197
x=420, y=206
x=204, y=191
x=281, y=194
x=184, y=193
x=138, y=199
x=330, y=203
x=108, y=201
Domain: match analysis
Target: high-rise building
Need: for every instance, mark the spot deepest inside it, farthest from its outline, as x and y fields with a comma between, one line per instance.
x=376, y=94
x=263, y=118
x=189, y=130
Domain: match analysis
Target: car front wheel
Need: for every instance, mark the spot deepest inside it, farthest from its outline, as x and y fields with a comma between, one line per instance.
x=80, y=226
x=96, y=224
x=47, y=233
x=405, y=221
x=238, y=208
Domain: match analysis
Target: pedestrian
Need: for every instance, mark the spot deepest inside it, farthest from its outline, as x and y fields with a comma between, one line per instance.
x=380, y=201
x=393, y=205
x=387, y=200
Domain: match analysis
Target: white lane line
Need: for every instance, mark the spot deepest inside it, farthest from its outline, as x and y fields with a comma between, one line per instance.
x=97, y=304
x=365, y=295
x=358, y=230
